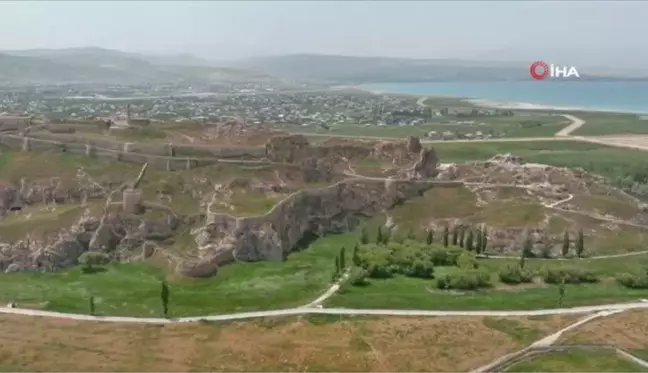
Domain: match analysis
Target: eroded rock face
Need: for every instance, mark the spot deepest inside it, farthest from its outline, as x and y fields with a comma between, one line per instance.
x=414, y=145
x=272, y=236
x=44, y=191
x=296, y=148
x=120, y=236
x=316, y=170
x=426, y=166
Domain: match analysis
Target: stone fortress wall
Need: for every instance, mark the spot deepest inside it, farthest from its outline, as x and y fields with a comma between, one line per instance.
x=168, y=157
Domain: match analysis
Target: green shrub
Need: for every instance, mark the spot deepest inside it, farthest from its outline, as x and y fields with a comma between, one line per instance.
x=467, y=260
x=419, y=268
x=379, y=267
x=358, y=276
x=93, y=258
x=410, y=258
x=443, y=256
x=570, y=275
x=513, y=274
x=633, y=281
x=469, y=279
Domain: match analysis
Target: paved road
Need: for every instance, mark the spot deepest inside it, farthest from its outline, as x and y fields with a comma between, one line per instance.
x=325, y=311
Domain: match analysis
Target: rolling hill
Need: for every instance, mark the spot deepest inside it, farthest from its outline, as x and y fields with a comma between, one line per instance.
x=348, y=69
x=97, y=65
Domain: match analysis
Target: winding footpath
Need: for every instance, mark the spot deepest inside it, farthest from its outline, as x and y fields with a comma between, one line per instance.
x=328, y=311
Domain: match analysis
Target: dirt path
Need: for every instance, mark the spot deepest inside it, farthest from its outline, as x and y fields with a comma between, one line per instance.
x=576, y=124
x=500, y=363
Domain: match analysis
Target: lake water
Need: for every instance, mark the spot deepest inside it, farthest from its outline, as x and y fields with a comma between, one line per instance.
x=612, y=96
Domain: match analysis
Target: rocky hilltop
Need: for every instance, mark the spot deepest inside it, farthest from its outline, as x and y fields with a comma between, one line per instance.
x=202, y=218
x=112, y=217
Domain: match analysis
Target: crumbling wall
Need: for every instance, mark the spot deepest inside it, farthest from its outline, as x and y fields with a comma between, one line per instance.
x=336, y=208
x=92, y=149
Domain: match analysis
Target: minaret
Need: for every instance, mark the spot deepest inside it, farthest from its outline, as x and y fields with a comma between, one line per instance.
x=128, y=114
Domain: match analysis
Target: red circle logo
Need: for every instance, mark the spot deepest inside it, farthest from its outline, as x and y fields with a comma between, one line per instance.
x=539, y=70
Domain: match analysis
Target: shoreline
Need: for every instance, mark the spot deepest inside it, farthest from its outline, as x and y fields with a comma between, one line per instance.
x=513, y=105
x=506, y=105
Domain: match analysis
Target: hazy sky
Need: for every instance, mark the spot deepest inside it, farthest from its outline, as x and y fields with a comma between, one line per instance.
x=597, y=33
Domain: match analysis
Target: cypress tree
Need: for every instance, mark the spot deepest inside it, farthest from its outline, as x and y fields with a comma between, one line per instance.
x=164, y=296
x=455, y=235
x=379, y=236
x=469, y=240
x=386, y=237
x=546, y=246
x=580, y=244
x=446, y=233
x=356, y=256
x=342, y=258
x=479, y=237
x=92, y=305
x=430, y=237
x=364, y=236
x=484, y=240
x=565, y=245
x=527, y=245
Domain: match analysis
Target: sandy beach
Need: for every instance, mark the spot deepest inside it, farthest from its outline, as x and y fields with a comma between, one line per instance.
x=525, y=105
x=493, y=104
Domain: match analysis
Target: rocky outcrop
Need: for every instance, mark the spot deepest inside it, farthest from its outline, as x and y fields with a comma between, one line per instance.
x=44, y=191
x=413, y=145
x=426, y=166
x=295, y=148
x=272, y=236
x=316, y=170
x=120, y=236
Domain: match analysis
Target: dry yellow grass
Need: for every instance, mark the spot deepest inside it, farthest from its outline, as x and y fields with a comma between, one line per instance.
x=627, y=330
x=315, y=343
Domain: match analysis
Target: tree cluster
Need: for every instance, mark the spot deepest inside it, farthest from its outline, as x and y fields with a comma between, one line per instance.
x=634, y=280
x=568, y=275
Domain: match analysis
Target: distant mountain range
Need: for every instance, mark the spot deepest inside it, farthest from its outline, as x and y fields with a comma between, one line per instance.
x=357, y=70
x=97, y=65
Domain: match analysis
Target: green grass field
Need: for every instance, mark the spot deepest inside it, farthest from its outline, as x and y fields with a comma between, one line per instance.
x=606, y=161
x=415, y=293
x=503, y=126
x=134, y=288
x=611, y=123
x=577, y=361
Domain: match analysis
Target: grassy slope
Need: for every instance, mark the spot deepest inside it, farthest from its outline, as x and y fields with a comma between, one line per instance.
x=15, y=165
x=603, y=160
x=611, y=123
x=133, y=288
x=270, y=285
x=577, y=361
